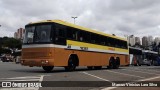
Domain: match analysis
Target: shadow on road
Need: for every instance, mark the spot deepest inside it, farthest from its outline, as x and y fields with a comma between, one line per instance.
x=55, y=70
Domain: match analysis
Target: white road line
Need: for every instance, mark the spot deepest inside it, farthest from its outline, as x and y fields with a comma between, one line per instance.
x=95, y=76
x=41, y=78
x=100, y=79
x=22, y=80
x=148, y=70
x=140, y=71
x=124, y=74
x=109, y=88
x=147, y=79
x=152, y=78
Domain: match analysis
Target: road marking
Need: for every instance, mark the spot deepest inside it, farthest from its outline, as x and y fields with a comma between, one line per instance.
x=124, y=74
x=28, y=78
x=100, y=79
x=109, y=88
x=140, y=71
x=95, y=76
x=152, y=78
x=148, y=70
x=23, y=80
x=41, y=78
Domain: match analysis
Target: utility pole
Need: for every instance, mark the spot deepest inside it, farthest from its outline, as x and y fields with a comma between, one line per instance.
x=74, y=19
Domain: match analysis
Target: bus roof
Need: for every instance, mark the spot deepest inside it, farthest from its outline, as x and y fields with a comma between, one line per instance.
x=78, y=27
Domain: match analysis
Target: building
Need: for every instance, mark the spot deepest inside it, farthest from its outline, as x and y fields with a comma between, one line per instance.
x=145, y=41
x=131, y=40
x=137, y=40
x=15, y=35
x=157, y=40
x=19, y=34
x=150, y=40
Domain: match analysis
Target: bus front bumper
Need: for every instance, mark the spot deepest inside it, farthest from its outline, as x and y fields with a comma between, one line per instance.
x=37, y=62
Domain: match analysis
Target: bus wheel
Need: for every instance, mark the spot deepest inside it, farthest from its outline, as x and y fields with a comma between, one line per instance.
x=71, y=65
x=97, y=67
x=47, y=68
x=111, y=63
x=117, y=63
x=90, y=67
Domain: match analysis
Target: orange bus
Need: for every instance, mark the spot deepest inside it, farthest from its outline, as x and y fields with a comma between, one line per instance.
x=52, y=43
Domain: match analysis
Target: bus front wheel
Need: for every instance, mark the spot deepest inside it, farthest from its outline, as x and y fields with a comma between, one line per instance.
x=116, y=63
x=71, y=65
x=47, y=68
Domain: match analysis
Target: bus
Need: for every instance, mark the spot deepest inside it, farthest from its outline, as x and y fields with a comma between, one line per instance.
x=140, y=57
x=57, y=43
x=148, y=57
x=135, y=55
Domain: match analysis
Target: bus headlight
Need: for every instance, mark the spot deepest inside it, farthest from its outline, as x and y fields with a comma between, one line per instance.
x=44, y=61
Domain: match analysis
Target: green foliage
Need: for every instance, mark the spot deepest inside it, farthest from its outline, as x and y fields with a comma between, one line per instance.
x=11, y=43
x=6, y=51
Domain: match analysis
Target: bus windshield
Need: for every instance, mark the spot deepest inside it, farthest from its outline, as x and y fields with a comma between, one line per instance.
x=37, y=34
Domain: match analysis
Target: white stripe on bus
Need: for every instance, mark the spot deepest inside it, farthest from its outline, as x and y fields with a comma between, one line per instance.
x=72, y=47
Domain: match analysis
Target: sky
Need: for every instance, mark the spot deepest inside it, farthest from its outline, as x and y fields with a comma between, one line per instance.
x=120, y=17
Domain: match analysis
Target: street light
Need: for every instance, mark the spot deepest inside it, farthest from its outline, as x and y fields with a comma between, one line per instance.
x=74, y=19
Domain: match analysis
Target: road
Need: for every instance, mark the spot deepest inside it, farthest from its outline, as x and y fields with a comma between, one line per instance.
x=10, y=71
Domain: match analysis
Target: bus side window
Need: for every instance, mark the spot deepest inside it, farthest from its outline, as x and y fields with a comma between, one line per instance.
x=111, y=42
x=94, y=38
x=60, y=35
x=80, y=37
x=72, y=33
x=84, y=36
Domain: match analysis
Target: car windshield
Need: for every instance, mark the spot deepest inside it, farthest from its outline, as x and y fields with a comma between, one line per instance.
x=37, y=34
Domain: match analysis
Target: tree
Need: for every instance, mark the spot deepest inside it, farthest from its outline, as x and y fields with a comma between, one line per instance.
x=11, y=43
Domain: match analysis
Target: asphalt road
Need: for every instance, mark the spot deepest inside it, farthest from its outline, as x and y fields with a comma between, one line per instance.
x=82, y=79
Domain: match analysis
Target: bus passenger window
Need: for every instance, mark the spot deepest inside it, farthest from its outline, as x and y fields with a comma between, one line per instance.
x=81, y=38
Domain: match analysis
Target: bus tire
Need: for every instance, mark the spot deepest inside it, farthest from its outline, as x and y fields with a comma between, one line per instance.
x=117, y=63
x=71, y=64
x=97, y=67
x=47, y=68
x=111, y=63
x=90, y=67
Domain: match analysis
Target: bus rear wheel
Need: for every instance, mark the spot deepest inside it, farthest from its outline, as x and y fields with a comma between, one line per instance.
x=47, y=68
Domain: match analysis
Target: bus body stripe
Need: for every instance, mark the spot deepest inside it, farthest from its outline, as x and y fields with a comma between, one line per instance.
x=72, y=48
